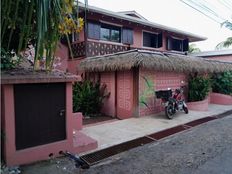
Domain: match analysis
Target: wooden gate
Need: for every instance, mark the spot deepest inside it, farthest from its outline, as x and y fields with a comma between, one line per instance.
x=39, y=114
x=124, y=94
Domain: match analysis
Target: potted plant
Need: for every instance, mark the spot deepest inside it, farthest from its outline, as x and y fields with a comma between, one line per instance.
x=221, y=88
x=199, y=87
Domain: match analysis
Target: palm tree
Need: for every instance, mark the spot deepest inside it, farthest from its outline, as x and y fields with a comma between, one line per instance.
x=225, y=44
x=38, y=22
x=228, y=42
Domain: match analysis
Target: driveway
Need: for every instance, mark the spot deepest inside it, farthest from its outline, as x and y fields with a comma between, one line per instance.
x=202, y=149
x=116, y=132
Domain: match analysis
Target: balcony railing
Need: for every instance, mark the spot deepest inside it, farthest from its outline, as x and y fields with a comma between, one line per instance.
x=95, y=49
x=91, y=48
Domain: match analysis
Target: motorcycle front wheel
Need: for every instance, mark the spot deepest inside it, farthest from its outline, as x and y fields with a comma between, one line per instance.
x=169, y=111
x=185, y=109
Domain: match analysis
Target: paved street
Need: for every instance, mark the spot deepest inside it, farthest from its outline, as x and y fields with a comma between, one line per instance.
x=202, y=149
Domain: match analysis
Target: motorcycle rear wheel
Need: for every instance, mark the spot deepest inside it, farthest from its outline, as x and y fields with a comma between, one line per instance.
x=169, y=111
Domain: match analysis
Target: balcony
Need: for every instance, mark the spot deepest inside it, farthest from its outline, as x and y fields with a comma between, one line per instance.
x=95, y=49
x=92, y=48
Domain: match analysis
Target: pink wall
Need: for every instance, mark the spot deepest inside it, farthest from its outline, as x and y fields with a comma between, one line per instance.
x=138, y=30
x=227, y=58
x=124, y=94
x=61, y=57
x=161, y=80
x=16, y=157
x=222, y=99
x=108, y=78
x=199, y=105
x=73, y=66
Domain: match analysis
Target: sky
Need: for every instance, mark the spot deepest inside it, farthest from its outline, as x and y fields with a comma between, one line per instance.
x=173, y=13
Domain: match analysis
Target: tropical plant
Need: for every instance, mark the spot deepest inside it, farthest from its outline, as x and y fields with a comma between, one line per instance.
x=222, y=83
x=225, y=44
x=193, y=49
x=228, y=42
x=148, y=92
x=38, y=22
x=199, y=87
x=88, y=97
x=9, y=60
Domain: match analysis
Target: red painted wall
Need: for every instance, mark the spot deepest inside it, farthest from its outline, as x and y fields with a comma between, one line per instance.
x=137, y=29
x=108, y=78
x=73, y=66
x=124, y=94
x=17, y=157
x=61, y=57
x=161, y=80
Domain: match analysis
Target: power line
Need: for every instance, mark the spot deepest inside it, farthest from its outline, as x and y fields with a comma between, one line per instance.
x=208, y=9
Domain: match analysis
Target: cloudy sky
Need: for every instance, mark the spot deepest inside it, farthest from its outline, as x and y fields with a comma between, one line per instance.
x=174, y=13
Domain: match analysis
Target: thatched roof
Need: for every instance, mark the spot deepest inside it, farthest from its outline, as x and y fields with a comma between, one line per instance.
x=28, y=75
x=153, y=60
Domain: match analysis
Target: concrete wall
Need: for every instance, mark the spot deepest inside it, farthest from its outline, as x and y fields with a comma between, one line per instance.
x=41, y=152
x=124, y=94
x=137, y=29
x=120, y=86
x=161, y=81
x=61, y=57
x=109, y=107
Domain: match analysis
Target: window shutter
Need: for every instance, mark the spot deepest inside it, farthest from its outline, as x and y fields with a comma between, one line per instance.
x=94, y=30
x=169, y=43
x=127, y=36
x=185, y=45
x=124, y=35
x=160, y=40
x=146, y=39
x=130, y=36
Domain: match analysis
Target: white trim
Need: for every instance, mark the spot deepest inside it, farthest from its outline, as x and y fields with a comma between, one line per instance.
x=107, y=42
x=192, y=37
x=110, y=23
x=175, y=37
x=152, y=32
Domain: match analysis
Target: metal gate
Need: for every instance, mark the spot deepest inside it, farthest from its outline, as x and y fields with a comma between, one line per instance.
x=39, y=114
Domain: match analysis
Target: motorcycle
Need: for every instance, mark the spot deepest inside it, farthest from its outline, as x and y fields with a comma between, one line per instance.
x=172, y=103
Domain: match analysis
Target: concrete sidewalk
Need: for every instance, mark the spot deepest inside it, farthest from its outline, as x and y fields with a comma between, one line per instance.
x=116, y=132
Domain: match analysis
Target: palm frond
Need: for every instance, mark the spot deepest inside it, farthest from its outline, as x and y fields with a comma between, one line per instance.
x=225, y=44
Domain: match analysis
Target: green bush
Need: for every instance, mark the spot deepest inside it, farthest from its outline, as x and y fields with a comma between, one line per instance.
x=88, y=97
x=222, y=83
x=9, y=60
x=199, y=87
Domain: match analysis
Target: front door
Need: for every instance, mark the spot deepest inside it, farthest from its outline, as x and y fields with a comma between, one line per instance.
x=124, y=94
x=39, y=114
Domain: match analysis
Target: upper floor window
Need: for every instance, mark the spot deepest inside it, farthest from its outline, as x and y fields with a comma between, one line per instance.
x=110, y=33
x=101, y=31
x=152, y=40
x=177, y=44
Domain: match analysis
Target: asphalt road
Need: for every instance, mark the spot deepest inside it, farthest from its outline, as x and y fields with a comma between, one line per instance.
x=204, y=149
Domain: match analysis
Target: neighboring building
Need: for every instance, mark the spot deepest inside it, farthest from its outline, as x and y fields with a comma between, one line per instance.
x=124, y=50
x=220, y=55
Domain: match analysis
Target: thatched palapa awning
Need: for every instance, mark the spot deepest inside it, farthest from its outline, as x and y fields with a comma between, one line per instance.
x=161, y=61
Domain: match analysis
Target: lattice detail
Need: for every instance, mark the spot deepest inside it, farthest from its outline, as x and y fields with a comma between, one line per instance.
x=97, y=48
x=78, y=49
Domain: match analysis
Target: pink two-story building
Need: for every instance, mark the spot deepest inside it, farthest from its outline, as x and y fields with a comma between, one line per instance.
x=124, y=50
